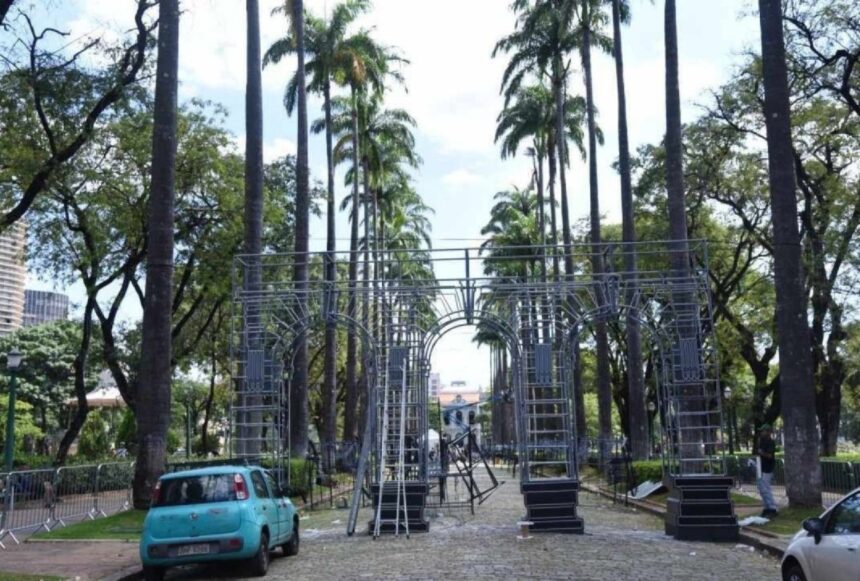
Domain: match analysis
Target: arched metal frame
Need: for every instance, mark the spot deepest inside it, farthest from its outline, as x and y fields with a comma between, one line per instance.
x=417, y=312
x=462, y=318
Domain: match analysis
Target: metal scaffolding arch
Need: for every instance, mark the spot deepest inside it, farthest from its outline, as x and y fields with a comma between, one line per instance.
x=408, y=299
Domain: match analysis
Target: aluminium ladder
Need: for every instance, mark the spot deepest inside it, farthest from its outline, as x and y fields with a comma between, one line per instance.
x=399, y=471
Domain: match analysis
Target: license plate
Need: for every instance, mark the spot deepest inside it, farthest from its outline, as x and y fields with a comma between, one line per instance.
x=186, y=550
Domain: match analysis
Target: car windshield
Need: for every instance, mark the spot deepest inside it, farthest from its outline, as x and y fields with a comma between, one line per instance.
x=196, y=490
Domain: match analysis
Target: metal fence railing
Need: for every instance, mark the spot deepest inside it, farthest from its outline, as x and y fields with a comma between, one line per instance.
x=837, y=478
x=34, y=500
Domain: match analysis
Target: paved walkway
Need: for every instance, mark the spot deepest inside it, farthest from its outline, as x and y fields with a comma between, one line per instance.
x=620, y=543
x=84, y=561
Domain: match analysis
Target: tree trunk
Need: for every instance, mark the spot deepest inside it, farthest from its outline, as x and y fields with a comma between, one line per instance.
x=604, y=382
x=5, y=5
x=249, y=441
x=674, y=151
x=350, y=428
x=299, y=387
x=561, y=143
x=153, y=410
x=802, y=468
x=210, y=397
x=80, y=371
x=330, y=361
x=638, y=419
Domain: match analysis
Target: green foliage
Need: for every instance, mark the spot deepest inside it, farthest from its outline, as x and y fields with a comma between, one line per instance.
x=25, y=426
x=126, y=434
x=46, y=376
x=94, y=441
x=647, y=470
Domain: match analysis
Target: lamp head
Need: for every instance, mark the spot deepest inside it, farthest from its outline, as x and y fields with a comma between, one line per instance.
x=13, y=359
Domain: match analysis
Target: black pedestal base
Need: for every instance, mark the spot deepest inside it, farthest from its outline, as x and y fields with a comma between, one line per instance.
x=551, y=506
x=699, y=508
x=416, y=501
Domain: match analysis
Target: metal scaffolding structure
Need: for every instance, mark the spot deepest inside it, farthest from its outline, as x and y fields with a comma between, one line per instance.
x=410, y=299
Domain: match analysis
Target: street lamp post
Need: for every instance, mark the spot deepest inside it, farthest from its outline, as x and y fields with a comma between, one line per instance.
x=651, y=409
x=727, y=404
x=13, y=362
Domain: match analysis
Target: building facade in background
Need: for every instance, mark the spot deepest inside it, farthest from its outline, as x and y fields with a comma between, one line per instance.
x=44, y=306
x=13, y=277
x=435, y=386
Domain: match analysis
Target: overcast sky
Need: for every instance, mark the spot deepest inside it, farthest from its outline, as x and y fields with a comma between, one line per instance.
x=453, y=92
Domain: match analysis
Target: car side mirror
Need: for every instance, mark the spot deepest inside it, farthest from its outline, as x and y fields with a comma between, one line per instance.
x=285, y=492
x=814, y=526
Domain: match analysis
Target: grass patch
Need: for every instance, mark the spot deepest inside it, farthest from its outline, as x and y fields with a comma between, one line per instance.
x=787, y=522
x=744, y=499
x=123, y=526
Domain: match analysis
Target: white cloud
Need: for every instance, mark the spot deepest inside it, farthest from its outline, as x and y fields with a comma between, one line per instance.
x=278, y=147
x=461, y=177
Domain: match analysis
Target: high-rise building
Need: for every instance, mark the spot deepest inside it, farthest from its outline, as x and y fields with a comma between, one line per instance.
x=44, y=307
x=435, y=385
x=13, y=277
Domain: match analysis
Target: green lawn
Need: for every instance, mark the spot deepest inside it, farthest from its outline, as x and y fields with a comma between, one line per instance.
x=24, y=577
x=123, y=526
x=744, y=499
x=787, y=522
x=737, y=498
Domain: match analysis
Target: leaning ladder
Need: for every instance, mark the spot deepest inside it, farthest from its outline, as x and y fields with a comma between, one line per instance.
x=399, y=469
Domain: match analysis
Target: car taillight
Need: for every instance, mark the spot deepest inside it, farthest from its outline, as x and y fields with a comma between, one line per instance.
x=156, y=493
x=239, y=487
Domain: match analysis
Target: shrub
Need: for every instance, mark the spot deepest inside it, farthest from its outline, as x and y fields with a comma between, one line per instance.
x=94, y=440
x=647, y=470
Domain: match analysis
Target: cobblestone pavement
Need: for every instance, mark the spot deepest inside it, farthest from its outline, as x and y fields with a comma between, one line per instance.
x=620, y=543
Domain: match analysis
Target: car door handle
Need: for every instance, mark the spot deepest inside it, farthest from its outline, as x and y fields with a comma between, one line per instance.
x=265, y=508
x=851, y=548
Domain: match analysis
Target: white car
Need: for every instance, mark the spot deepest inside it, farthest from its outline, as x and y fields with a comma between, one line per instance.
x=828, y=547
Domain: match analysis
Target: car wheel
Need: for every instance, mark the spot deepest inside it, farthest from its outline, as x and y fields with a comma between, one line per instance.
x=153, y=573
x=793, y=573
x=291, y=547
x=260, y=561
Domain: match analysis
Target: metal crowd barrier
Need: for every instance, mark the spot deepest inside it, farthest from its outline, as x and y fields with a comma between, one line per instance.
x=837, y=478
x=33, y=500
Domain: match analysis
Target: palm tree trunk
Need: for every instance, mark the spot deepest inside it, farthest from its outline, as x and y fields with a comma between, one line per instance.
x=674, y=152
x=350, y=408
x=249, y=439
x=553, y=226
x=541, y=215
x=365, y=174
x=802, y=468
x=153, y=411
x=330, y=358
x=299, y=387
x=604, y=383
x=561, y=143
x=638, y=419
x=561, y=148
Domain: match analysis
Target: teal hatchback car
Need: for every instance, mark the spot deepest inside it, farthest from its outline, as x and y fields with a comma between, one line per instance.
x=217, y=513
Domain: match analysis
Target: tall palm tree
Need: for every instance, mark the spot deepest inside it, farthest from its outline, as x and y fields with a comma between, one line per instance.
x=802, y=468
x=590, y=24
x=253, y=243
x=330, y=50
x=530, y=114
x=153, y=411
x=299, y=418
x=638, y=420
x=545, y=35
x=674, y=152
x=540, y=44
